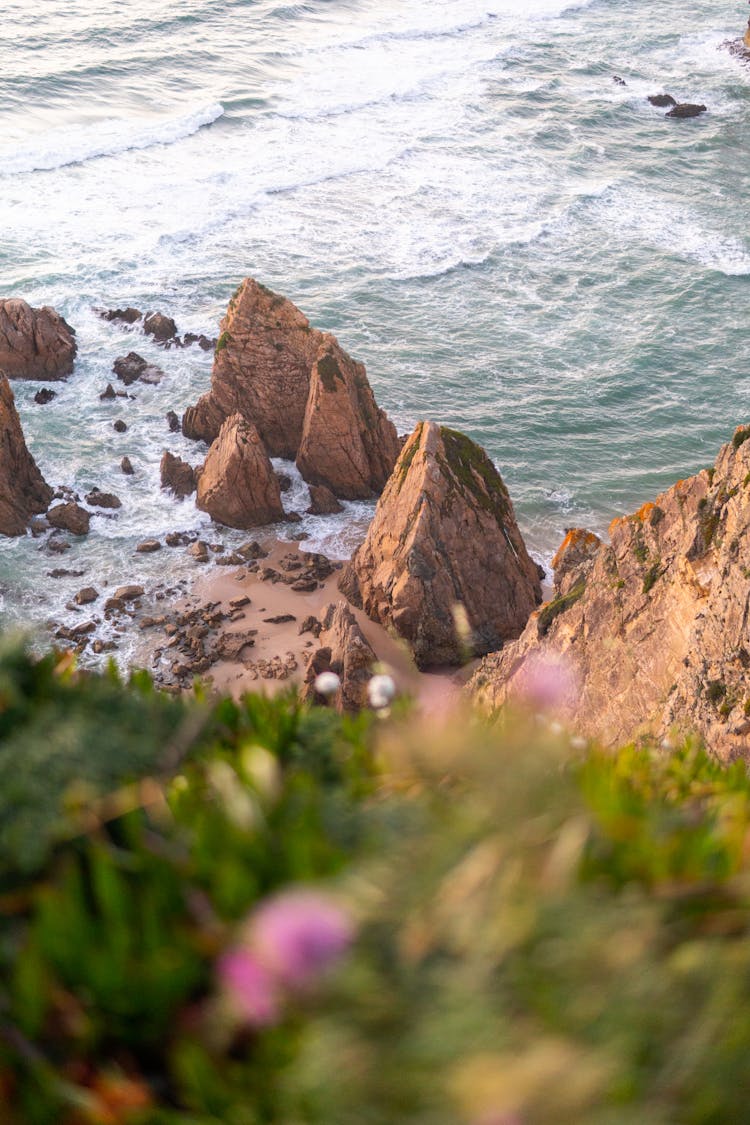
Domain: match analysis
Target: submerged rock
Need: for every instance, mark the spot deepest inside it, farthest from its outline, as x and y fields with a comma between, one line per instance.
x=237, y=485
x=23, y=490
x=444, y=563
x=661, y=100
x=685, y=109
x=161, y=327
x=651, y=629
x=34, y=343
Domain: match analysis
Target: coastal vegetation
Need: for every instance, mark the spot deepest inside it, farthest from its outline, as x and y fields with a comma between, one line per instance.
x=470, y=921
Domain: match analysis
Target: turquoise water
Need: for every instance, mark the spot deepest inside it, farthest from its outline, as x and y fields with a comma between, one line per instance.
x=513, y=243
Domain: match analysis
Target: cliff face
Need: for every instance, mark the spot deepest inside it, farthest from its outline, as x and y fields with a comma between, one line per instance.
x=23, y=490
x=444, y=563
x=654, y=628
x=34, y=343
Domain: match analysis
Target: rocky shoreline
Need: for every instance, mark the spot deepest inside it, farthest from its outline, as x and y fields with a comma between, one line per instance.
x=643, y=636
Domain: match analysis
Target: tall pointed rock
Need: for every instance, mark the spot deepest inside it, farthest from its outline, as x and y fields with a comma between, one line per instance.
x=443, y=552
x=348, y=443
x=262, y=365
x=23, y=490
x=237, y=485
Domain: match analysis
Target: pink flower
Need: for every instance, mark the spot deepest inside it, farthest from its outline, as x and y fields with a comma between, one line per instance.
x=298, y=935
x=547, y=683
x=251, y=987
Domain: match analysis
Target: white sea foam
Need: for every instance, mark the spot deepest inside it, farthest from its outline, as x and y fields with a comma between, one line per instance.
x=107, y=137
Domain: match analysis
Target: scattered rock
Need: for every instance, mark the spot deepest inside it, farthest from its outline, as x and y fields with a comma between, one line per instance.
x=98, y=499
x=237, y=485
x=323, y=502
x=444, y=563
x=285, y=481
x=177, y=475
x=120, y=426
x=148, y=546
x=60, y=572
x=108, y=394
x=23, y=490
x=173, y=422
x=133, y=367
x=127, y=466
x=85, y=596
x=685, y=109
x=128, y=593
x=161, y=327
x=199, y=551
x=70, y=517
x=44, y=396
x=34, y=343
x=618, y=81
x=310, y=625
x=127, y=316
x=279, y=619
x=662, y=100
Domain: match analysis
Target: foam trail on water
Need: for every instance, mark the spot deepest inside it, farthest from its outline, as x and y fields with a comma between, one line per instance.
x=103, y=138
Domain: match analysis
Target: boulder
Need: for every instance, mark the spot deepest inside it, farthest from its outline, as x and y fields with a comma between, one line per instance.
x=348, y=444
x=237, y=485
x=127, y=466
x=685, y=109
x=70, y=517
x=23, y=490
x=177, y=475
x=98, y=499
x=126, y=316
x=650, y=630
x=262, y=365
x=34, y=343
x=44, y=396
x=161, y=327
x=323, y=502
x=132, y=367
x=662, y=99
x=345, y=651
x=444, y=563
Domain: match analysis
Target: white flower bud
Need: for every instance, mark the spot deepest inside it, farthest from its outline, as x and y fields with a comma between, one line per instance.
x=327, y=683
x=380, y=691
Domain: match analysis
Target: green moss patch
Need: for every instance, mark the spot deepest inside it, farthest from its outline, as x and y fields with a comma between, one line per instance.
x=476, y=477
x=329, y=371
x=553, y=609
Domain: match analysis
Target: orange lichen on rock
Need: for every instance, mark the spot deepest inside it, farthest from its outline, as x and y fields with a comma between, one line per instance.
x=577, y=537
x=644, y=511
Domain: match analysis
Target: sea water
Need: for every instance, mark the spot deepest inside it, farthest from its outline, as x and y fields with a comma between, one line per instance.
x=514, y=243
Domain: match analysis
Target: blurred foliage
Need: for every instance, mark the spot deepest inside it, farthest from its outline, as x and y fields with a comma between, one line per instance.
x=546, y=935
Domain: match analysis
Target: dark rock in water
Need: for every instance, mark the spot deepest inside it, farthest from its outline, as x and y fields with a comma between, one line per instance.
x=618, y=81
x=120, y=426
x=161, y=327
x=108, y=394
x=285, y=481
x=85, y=596
x=189, y=338
x=129, y=367
x=127, y=316
x=662, y=99
x=173, y=421
x=148, y=546
x=323, y=502
x=293, y=517
x=44, y=396
x=70, y=517
x=206, y=344
x=99, y=499
x=686, y=109
x=177, y=475
x=61, y=572
x=34, y=343
x=127, y=466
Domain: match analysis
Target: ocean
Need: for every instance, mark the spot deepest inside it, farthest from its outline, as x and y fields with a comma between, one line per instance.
x=514, y=243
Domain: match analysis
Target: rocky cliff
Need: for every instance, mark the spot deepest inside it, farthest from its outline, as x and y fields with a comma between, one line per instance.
x=651, y=632
x=34, y=343
x=23, y=490
x=443, y=562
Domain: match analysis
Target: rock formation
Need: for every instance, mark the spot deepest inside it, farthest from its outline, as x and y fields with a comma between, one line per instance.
x=304, y=394
x=70, y=517
x=345, y=651
x=348, y=443
x=237, y=485
x=262, y=365
x=23, y=490
x=34, y=343
x=322, y=501
x=653, y=628
x=177, y=475
x=686, y=109
x=444, y=563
